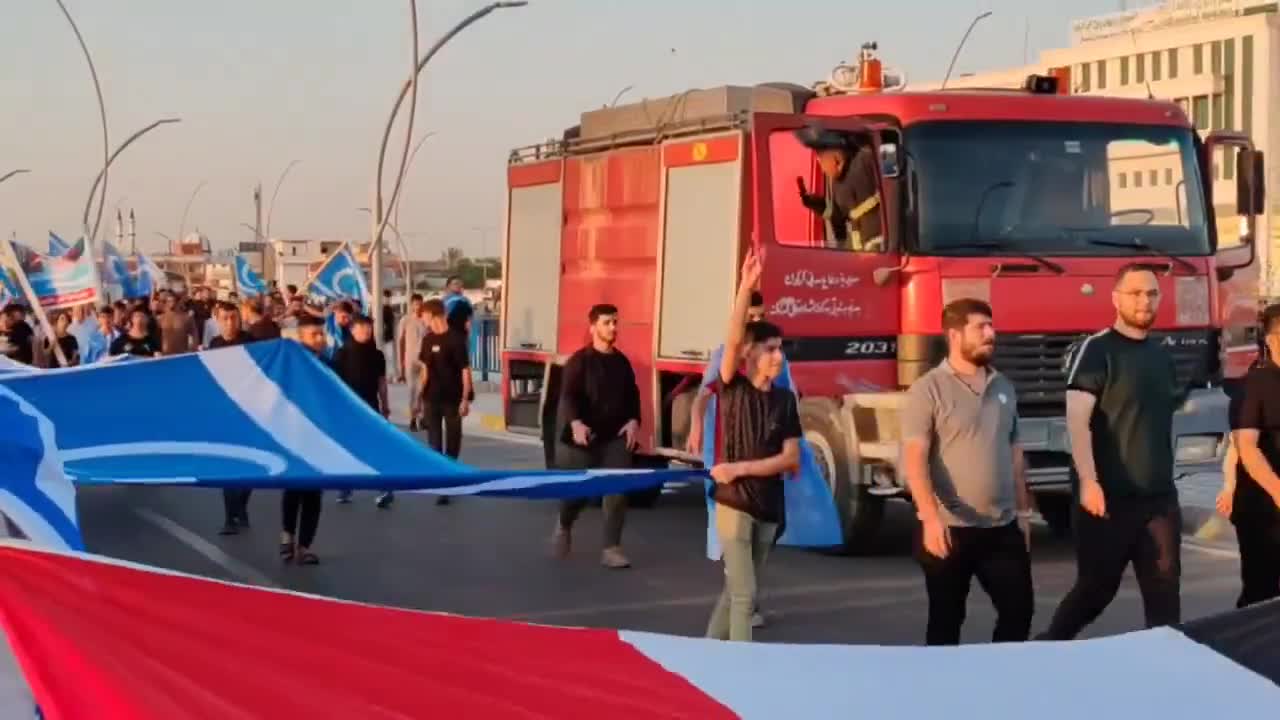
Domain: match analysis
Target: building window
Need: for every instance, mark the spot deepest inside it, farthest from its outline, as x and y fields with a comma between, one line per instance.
x=1229, y=101
x=293, y=250
x=1197, y=59
x=1153, y=178
x=1102, y=74
x=1215, y=57
x=1084, y=77
x=1155, y=66
x=1137, y=178
x=1168, y=176
x=1217, y=112
x=1173, y=64
x=1124, y=70
x=1140, y=72
x=1200, y=112
x=1123, y=178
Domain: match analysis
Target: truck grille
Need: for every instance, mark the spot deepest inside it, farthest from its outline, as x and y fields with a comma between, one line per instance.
x=1037, y=365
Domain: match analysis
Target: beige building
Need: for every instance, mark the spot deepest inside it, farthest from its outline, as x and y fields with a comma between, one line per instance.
x=1218, y=59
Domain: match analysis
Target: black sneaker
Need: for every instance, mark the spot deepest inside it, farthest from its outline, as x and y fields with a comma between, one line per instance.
x=243, y=521
x=413, y=425
x=385, y=500
x=229, y=529
x=442, y=500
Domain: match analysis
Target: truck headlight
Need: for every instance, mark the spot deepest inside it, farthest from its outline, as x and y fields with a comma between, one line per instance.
x=1196, y=449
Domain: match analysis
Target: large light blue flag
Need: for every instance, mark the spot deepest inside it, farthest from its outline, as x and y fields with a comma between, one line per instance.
x=272, y=416
x=812, y=520
x=115, y=271
x=34, y=493
x=247, y=281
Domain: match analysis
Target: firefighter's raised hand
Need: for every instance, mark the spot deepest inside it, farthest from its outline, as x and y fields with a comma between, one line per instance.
x=752, y=268
x=804, y=190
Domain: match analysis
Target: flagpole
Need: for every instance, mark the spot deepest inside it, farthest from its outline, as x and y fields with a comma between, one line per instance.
x=11, y=259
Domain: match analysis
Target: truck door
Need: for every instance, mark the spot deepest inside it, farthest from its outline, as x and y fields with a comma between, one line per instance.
x=840, y=316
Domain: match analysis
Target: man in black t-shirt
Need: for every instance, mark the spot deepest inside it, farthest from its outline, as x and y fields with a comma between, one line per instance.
x=235, y=501
x=445, y=379
x=137, y=340
x=362, y=366
x=1122, y=393
x=1254, y=506
x=232, y=332
x=599, y=419
x=16, y=336
x=761, y=440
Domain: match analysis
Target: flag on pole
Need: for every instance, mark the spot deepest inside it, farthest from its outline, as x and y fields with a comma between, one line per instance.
x=61, y=248
x=56, y=281
x=247, y=281
x=340, y=278
x=150, y=277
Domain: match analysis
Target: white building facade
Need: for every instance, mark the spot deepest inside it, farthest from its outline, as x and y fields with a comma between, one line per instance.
x=1218, y=59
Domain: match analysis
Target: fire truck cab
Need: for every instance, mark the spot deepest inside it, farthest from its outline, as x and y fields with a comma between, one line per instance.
x=1029, y=199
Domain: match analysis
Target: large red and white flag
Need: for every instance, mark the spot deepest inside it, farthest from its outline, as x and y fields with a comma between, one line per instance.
x=99, y=638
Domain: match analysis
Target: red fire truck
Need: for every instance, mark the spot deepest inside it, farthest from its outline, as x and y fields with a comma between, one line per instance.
x=1031, y=199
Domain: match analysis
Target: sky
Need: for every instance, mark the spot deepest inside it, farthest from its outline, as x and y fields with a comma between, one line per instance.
x=261, y=83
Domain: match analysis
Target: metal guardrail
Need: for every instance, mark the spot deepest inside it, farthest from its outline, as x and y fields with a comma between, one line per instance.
x=486, y=357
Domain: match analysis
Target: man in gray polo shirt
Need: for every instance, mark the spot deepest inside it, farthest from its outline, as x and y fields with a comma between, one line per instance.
x=966, y=475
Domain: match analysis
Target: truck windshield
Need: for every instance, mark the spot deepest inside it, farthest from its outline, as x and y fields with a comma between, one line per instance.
x=1056, y=188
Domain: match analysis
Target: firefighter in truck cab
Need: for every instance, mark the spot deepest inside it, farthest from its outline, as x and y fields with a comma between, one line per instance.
x=850, y=207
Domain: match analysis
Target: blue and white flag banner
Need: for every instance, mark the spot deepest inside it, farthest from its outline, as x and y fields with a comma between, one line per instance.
x=247, y=281
x=150, y=279
x=57, y=281
x=115, y=271
x=340, y=278
x=8, y=288
x=272, y=417
x=57, y=246
x=34, y=492
x=812, y=520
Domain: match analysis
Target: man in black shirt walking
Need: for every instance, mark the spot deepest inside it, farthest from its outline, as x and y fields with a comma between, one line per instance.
x=599, y=417
x=16, y=336
x=1254, y=506
x=1121, y=396
x=761, y=441
x=232, y=333
x=300, y=509
x=137, y=340
x=235, y=501
x=445, y=379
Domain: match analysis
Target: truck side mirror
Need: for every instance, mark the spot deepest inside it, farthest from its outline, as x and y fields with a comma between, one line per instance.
x=1251, y=192
x=889, y=166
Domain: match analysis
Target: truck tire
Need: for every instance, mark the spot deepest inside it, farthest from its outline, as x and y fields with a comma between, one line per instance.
x=1055, y=508
x=859, y=511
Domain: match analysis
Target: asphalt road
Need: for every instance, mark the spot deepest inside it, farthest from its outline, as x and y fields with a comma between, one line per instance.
x=489, y=557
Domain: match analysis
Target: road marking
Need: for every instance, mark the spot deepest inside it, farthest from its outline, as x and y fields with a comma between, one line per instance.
x=1210, y=550
x=211, y=552
x=769, y=596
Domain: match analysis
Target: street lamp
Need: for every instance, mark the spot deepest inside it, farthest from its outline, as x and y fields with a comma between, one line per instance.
x=413, y=154
x=405, y=265
x=410, y=86
x=102, y=115
x=102, y=175
x=963, y=40
x=272, y=205
x=12, y=173
x=621, y=92
x=182, y=225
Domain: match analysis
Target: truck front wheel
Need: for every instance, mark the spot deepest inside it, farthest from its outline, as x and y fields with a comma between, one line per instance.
x=859, y=511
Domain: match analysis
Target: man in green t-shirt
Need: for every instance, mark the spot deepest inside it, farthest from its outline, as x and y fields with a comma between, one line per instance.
x=1121, y=395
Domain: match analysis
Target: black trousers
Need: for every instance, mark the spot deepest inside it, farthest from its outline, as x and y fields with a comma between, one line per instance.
x=1144, y=532
x=235, y=504
x=444, y=427
x=998, y=557
x=1259, y=543
x=611, y=454
x=304, y=506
